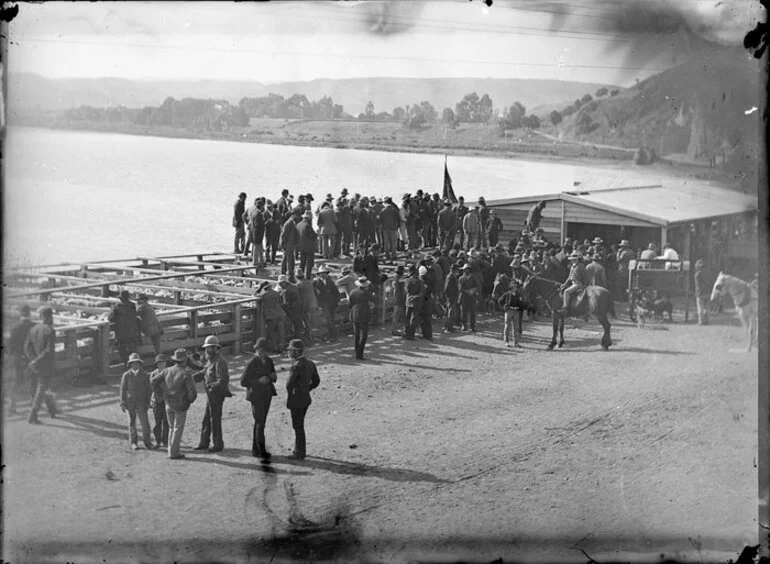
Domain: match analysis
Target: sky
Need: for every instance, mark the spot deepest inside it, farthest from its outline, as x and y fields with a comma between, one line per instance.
x=604, y=41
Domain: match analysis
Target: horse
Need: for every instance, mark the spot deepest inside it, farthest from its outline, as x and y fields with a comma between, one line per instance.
x=745, y=298
x=597, y=302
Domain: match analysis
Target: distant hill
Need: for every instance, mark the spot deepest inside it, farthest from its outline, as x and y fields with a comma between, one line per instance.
x=696, y=109
x=30, y=92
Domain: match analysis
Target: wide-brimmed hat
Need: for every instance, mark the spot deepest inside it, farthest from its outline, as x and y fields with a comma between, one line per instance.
x=134, y=357
x=422, y=271
x=466, y=266
x=161, y=358
x=283, y=278
x=362, y=282
x=179, y=355
x=575, y=255
x=45, y=311
x=597, y=256
x=261, y=286
x=323, y=269
x=597, y=241
x=124, y=294
x=211, y=341
x=346, y=269
x=474, y=253
x=447, y=203
x=296, y=345
x=260, y=343
x=624, y=243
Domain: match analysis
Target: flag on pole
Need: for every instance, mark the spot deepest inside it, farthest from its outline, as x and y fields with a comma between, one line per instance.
x=449, y=193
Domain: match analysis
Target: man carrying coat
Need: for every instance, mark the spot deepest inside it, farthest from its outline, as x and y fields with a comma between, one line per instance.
x=360, y=313
x=303, y=377
x=216, y=378
x=259, y=379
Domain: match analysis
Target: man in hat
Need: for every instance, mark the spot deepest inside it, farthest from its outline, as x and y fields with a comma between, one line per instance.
x=452, y=297
x=415, y=291
x=344, y=228
x=347, y=280
x=469, y=292
x=240, y=233
x=447, y=225
x=178, y=390
x=308, y=304
x=282, y=206
x=494, y=228
x=149, y=323
x=361, y=303
x=598, y=245
x=534, y=216
x=624, y=256
x=327, y=229
x=390, y=221
x=513, y=304
x=289, y=241
x=377, y=205
x=274, y=314
x=290, y=302
x=364, y=224
x=328, y=296
x=15, y=348
x=303, y=378
x=650, y=253
x=399, y=299
x=125, y=324
x=307, y=239
x=257, y=227
x=426, y=309
x=39, y=350
x=158, y=402
x=259, y=379
x=483, y=222
x=472, y=229
x=216, y=378
x=701, y=293
x=411, y=218
x=577, y=281
x=461, y=210
x=597, y=275
x=371, y=267
x=135, y=399
x=273, y=225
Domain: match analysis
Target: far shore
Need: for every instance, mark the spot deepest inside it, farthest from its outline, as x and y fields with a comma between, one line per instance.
x=562, y=152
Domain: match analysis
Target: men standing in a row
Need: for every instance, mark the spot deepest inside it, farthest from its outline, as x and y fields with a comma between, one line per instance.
x=240, y=232
x=360, y=313
x=216, y=378
x=39, y=348
x=15, y=347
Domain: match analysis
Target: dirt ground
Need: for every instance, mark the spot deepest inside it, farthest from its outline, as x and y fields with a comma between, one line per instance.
x=455, y=449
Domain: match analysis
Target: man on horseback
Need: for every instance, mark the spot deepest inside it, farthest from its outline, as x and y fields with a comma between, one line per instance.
x=577, y=281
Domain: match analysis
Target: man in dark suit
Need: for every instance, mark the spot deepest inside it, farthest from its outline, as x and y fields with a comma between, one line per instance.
x=303, y=377
x=360, y=313
x=240, y=232
x=469, y=292
x=15, y=348
x=452, y=296
x=259, y=379
x=125, y=322
x=415, y=291
x=308, y=239
x=39, y=348
x=328, y=296
x=289, y=241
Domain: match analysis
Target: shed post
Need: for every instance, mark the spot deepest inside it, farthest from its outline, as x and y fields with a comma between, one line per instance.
x=686, y=280
x=663, y=237
x=193, y=320
x=103, y=353
x=563, y=226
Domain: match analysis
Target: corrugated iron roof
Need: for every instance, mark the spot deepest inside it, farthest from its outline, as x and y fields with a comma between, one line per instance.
x=670, y=203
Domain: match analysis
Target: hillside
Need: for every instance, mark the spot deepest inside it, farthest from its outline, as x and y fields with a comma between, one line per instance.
x=27, y=92
x=696, y=109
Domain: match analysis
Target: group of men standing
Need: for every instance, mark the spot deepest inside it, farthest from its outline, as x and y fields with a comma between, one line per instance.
x=348, y=224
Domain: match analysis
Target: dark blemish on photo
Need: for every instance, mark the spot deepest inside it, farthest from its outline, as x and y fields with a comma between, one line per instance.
x=8, y=13
x=756, y=39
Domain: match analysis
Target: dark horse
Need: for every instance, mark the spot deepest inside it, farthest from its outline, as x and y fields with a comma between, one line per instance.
x=597, y=301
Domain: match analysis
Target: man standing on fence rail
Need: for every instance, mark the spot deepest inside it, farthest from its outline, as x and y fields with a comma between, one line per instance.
x=216, y=378
x=40, y=350
x=15, y=347
x=125, y=324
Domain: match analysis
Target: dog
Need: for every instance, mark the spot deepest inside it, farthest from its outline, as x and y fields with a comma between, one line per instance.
x=643, y=308
x=662, y=304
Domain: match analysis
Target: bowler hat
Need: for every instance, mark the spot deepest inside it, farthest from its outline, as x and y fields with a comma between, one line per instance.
x=625, y=243
x=575, y=255
x=124, y=295
x=134, y=357
x=161, y=358
x=323, y=269
x=362, y=282
x=45, y=311
x=296, y=345
x=179, y=355
x=597, y=241
x=466, y=266
x=211, y=341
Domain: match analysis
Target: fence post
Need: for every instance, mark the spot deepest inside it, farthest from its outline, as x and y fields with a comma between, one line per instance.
x=71, y=353
x=237, y=327
x=384, y=309
x=259, y=320
x=193, y=317
x=103, y=350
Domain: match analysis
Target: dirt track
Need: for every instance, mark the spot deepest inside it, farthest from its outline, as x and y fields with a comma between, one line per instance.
x=463, y=450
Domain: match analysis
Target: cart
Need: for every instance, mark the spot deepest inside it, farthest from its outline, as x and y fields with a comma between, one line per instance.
x=669, y=276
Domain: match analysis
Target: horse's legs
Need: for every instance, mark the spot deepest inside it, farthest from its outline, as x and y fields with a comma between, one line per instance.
x=555, y=321
x=606, y=340
x=561, y=331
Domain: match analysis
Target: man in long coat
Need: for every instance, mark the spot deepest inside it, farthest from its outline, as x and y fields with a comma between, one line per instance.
x=149, y=322
x=240, y=232
x=328, y=296
x=361, y=303
x=415, y=291
x=303, y=378
x=289, y=242
x=259, y=379
x=307, y=238
x=125, y=324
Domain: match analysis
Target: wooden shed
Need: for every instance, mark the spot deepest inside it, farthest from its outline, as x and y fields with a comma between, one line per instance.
x=685, y=214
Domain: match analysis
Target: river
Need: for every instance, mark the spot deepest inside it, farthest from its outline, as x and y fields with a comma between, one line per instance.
x=76, y=196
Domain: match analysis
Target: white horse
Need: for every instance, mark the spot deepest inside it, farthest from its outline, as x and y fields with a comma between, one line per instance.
x=744, y=297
